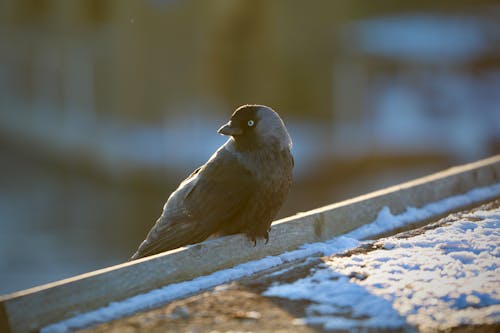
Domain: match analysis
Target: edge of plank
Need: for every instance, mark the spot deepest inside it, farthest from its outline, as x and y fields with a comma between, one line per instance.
x=29, y=310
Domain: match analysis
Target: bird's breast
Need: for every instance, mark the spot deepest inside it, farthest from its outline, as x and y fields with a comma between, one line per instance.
x=267, y=165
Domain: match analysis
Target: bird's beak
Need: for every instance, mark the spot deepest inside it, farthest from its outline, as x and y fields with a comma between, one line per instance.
x=229, y=129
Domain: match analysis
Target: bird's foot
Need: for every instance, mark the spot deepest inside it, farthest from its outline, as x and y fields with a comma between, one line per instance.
x=253, y=238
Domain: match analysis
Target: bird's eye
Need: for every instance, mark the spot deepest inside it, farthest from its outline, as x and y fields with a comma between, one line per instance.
x=250, y=123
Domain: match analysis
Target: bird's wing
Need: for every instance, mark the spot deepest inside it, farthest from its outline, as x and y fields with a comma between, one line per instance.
x=213, y=194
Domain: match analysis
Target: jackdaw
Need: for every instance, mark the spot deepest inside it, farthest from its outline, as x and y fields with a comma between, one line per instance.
x=238, y=190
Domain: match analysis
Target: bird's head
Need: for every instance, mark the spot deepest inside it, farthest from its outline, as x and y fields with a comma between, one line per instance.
x=253, y=126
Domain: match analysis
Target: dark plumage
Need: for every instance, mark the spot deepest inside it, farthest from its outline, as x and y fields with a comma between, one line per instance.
x=239, y=190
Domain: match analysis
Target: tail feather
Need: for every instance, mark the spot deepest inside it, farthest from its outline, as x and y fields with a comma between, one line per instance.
x=170, y=236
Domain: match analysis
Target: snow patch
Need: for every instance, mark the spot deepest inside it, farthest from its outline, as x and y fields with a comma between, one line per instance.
x=443, y=278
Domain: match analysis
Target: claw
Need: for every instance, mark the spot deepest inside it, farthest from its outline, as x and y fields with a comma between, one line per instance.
x=253, y=238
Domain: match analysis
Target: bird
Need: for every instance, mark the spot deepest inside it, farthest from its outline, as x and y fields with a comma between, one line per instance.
x=240, y=189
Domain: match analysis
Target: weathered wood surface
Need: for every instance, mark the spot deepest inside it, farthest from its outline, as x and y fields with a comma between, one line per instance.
x=31, y=309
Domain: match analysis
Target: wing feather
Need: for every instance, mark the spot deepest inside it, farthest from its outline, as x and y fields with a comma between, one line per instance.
x=210, y=197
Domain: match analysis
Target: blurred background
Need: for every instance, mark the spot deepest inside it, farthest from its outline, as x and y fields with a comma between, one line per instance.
x=106, y=105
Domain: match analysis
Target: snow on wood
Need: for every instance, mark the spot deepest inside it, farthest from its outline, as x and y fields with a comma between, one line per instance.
x=385, y=221
x=31, y=309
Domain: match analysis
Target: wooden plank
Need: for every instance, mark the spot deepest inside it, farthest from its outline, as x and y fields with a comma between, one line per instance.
x=31, y=309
